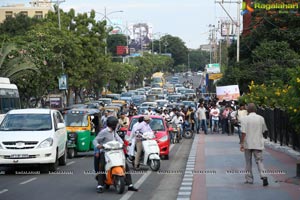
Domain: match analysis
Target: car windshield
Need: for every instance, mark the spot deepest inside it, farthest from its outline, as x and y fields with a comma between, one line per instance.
x=161, y=103
x=26, y=122
x=156, y=124
x=76, y=119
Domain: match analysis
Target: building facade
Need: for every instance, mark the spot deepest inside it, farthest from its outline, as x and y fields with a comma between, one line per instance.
x=37, y=9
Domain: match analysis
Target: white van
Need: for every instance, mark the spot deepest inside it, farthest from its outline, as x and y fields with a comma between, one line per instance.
x=33, y=136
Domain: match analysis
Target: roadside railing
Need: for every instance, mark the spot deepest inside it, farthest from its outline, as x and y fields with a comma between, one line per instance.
x=280, y=128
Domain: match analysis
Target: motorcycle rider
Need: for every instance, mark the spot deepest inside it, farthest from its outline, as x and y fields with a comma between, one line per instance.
x=124, y=120
x=132, y=138
x=143, y=127
x=178, y=121
x=106, y=135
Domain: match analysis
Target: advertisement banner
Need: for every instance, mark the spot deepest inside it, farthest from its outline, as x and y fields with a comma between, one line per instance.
x=215, y=76
x=213, y=68
x=62, y=82
x=228, y=93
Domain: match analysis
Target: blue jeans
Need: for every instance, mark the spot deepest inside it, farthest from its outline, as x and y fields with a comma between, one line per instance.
x=215, y=123
x=203, y=125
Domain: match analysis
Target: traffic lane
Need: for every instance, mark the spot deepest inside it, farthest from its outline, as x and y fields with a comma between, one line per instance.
x=165, y=183
x=76, y=181
x=73, y=180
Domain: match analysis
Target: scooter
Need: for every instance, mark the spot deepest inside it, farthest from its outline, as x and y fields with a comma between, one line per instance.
x=150, y=155
x=115, y=166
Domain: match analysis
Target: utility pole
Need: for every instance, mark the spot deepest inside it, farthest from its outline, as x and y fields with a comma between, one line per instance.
x=237, y=23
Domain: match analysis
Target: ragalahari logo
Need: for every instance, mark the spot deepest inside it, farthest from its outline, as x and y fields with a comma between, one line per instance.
x=246, y=8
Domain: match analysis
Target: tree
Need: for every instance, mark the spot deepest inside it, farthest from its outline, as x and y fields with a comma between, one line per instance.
x=198, y=59
x=115, y=40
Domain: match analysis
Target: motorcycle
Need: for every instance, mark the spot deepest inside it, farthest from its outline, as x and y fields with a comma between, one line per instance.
x=115, y=166
x=150, y=153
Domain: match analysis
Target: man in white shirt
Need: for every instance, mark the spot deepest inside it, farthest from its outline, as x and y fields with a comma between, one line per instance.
x=202, y=118
x=177, y=120
x=214, y=113
x=253, y=126
x=131, y=139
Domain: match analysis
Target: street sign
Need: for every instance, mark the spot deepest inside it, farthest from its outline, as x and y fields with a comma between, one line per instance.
x=213, y=68
x=215, y=76
x=62, y=82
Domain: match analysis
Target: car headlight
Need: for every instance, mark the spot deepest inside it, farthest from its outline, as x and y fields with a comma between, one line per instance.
x=1, y=146
x=164, y=138
x=46, y=143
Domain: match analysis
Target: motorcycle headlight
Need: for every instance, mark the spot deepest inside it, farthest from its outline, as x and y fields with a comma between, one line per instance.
x=164, y=138
x=46, y=143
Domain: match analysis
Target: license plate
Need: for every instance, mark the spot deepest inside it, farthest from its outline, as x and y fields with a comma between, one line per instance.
x=19, y=156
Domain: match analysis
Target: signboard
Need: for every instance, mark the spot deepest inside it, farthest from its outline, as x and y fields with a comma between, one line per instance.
x=228, y=93
x=213, y=68
x=215, y=76
x=122, y=50
x=62, y=82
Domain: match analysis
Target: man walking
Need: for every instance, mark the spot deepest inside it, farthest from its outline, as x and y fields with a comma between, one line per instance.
x=253, y=126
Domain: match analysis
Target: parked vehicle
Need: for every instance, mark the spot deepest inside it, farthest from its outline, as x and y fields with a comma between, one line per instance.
x=82, y=126
x=33, y=136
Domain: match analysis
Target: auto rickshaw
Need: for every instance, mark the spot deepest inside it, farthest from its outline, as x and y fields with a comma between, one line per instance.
x=82, y=125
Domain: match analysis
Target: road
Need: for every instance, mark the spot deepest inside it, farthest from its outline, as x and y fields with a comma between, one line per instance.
x=75, y=180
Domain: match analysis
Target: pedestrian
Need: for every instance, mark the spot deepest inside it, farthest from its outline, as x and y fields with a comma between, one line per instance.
x=253, y=127
x=202, y=118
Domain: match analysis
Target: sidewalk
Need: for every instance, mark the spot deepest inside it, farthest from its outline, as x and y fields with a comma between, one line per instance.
x=215, y=171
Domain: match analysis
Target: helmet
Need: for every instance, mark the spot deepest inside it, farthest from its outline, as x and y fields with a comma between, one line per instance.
x=112, y=122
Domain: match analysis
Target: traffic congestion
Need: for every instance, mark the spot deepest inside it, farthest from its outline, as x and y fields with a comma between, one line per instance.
x=147, y=131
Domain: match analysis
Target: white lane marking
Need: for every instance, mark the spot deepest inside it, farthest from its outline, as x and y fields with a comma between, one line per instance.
x=138, y=184
x=70, y=163
x=140, y=181
x=2, y=191
x=32, y=179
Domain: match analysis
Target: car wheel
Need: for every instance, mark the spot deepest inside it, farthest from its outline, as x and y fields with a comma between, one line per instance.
x=53, y=166
x=63, y=159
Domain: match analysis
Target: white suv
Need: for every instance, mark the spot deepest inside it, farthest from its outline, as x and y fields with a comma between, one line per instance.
x=33, y=136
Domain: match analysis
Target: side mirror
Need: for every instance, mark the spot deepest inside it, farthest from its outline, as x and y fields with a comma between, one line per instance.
x=61, y=125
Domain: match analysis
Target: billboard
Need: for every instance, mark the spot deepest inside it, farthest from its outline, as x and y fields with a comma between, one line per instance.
x=140, y=36
x=213, y=68
x=228, y=93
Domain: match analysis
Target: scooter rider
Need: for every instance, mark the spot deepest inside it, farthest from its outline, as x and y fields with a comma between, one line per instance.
x=143, y=127
x=106, y=135
x=131, y=139
x=178, y=121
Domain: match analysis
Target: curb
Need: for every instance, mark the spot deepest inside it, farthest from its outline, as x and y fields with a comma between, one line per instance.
x=284, y=149
x=186, y=186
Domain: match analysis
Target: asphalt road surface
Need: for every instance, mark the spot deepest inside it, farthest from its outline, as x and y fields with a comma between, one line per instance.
x=75, y=180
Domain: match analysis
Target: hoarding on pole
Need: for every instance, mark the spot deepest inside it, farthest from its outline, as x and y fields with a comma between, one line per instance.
x=213, y=68
x=228, y=93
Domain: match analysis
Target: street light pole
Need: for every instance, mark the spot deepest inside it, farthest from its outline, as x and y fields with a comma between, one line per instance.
x=105, y=17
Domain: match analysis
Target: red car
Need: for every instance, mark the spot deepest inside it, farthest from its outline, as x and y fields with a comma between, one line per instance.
x=161, y=130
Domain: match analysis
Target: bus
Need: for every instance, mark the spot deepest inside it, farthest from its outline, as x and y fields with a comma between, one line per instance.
x=9, y=97
x=158, y=79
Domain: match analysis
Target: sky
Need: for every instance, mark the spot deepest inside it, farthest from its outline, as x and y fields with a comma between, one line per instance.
x=186, y=19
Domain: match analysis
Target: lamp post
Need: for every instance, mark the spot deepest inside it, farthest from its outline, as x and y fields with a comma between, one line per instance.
x=105, y=17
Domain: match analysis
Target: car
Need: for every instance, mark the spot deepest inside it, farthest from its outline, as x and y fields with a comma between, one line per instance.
x=33, y=136
x=162, y=103
x=149, y=104
x=106, y=101
x=189, y=104
x=161, y=130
